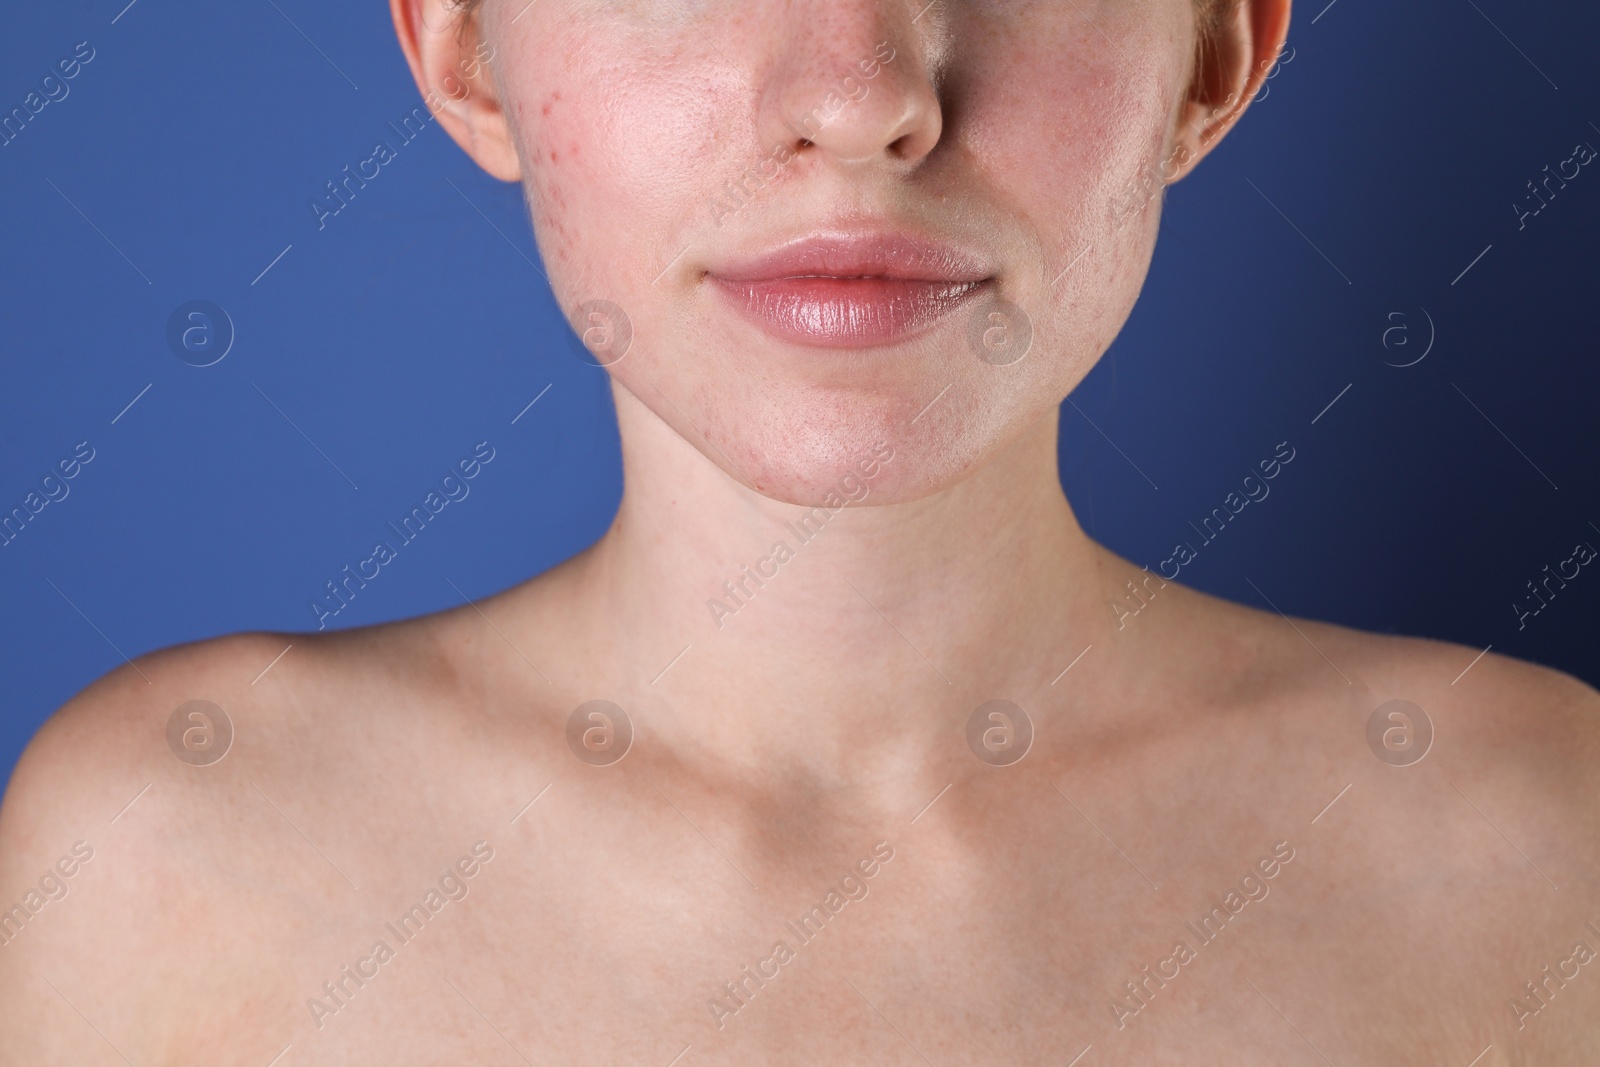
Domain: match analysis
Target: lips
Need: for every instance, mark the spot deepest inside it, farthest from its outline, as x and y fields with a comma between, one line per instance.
x=850, y=291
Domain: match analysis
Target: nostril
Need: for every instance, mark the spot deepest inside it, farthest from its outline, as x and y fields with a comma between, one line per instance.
x=856, y=102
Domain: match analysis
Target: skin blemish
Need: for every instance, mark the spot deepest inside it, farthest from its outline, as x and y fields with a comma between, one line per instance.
x=671, y=125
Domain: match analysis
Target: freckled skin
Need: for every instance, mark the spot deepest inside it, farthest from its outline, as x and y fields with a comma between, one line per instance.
x=667, y=121
x=825, y=712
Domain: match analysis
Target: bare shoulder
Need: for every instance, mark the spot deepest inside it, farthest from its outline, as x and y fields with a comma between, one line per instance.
x=111, y=734
x=1497, y=831
x=149, y=796
x=1466, y=726
x=126, y=726
x=1447, y=807
x=1484, y=707
x=1491, y=714
x=315, y=713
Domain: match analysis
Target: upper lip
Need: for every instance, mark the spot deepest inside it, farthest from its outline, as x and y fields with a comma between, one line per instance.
x=877, y=253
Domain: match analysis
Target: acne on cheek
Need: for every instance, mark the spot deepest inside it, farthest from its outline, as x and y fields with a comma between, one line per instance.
x=553, y=152
x=637, y=130
x=621, y=143
x=1103, y=105
x=1109, y=126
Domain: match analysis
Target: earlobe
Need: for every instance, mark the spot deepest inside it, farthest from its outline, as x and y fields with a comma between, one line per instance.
x=452, y=65
x=1233, y=59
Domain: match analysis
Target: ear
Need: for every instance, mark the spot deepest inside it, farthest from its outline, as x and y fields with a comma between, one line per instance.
x=1232, y=61
x=450, y=59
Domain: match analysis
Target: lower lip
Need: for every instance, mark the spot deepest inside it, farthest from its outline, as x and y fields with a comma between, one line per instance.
x=846, y=312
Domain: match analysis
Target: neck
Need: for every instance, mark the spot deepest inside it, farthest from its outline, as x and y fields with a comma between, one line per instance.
x=752, y=630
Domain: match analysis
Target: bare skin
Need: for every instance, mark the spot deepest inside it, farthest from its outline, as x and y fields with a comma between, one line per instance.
x=816, y=740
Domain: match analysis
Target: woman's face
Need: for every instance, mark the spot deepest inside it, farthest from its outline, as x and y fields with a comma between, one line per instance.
x=820, y=226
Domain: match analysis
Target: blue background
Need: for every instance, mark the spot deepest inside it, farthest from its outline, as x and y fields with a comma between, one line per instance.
x=1396, y=139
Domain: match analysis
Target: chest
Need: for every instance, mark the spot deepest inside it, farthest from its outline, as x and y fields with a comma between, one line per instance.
x=568, y=949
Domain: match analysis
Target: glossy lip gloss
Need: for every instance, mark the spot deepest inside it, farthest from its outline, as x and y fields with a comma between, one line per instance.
x=851, y=290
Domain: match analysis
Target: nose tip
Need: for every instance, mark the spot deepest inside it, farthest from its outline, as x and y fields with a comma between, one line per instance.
x=858, y=104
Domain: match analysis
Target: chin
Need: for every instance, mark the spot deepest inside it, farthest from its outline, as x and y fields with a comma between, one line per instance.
x=865, y=448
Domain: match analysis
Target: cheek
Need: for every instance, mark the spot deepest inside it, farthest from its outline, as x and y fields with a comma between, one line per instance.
x=626, y=136
x=1072, y=132
x=1071, y=140
x=616, y=134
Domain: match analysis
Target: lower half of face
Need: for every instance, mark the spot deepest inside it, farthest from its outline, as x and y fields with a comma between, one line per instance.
x=802, y=232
